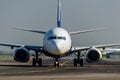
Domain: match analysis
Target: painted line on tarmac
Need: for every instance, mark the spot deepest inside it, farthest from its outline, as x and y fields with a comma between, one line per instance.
x=31, y=71
x=62, y=64
x=35, y=71
x=47, y=70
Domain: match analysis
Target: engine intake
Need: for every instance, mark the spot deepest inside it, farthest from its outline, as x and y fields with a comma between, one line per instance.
x=21, y=55
x=93, y=55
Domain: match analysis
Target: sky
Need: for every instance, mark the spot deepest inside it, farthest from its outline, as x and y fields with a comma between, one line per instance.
x=76, y=15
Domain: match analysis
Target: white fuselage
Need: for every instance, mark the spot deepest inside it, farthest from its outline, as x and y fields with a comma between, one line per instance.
x=57, y=41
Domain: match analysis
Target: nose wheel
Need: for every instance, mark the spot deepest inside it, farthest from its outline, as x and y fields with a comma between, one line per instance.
x=56, y=63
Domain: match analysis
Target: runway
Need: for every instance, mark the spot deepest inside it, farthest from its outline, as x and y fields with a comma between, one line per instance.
x=11, y=70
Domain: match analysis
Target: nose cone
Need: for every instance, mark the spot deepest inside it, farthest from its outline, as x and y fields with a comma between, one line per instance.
x=57, y=47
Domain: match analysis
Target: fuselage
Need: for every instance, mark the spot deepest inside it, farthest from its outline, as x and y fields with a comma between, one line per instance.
x=57, y=41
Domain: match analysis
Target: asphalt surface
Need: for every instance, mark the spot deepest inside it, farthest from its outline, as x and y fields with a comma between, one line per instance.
x=11, y=70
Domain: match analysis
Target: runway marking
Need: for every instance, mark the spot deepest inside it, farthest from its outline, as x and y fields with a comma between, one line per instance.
x=47, y=70
x=30, y=71
x=54, y=68
x=43, y=70
x=62, y=64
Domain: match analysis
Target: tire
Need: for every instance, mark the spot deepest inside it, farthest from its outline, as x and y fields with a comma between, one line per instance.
x=40, y=62
x=34, y=62
x=56, y=64
x=81, y=62
x=75, y=62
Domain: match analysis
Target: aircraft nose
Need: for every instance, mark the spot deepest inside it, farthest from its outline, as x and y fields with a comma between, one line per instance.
x=56, y=47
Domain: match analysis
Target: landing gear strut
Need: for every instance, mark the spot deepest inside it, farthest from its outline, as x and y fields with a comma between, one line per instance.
x=36, y=60
x=56, y=63
x=78, y=60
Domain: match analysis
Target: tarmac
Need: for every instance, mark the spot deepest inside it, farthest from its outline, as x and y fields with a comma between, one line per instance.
x=11, y=70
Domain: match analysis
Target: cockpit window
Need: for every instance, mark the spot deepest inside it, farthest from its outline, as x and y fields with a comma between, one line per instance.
x=61, y=38
x=55, y=37
x=52, y=37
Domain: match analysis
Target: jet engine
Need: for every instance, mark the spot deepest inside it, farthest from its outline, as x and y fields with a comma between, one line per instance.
x=21, y=55
x=93, y=55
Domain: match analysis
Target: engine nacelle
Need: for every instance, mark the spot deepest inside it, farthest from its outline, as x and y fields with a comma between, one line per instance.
x=93, y=55
x=21, y=55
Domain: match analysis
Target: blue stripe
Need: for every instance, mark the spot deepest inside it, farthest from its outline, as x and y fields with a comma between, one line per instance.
x=59, y=24
x=59, y=14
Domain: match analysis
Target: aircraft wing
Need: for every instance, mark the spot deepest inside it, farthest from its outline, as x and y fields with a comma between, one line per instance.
x=108, y=45
x=10, y=45
x=84, y=31
x=28, y=30
x=76, y=49
x=29, y=47
x=35, y=48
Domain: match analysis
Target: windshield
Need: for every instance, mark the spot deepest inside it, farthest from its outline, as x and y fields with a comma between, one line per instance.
x=55, y=37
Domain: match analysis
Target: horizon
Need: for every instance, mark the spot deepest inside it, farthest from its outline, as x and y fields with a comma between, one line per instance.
x=42, y=15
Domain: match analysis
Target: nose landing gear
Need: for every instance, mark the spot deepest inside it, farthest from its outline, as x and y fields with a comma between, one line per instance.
x=56, y=63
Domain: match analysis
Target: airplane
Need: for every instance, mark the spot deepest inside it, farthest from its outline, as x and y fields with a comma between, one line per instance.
x=57, y=43
x=110, y=51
